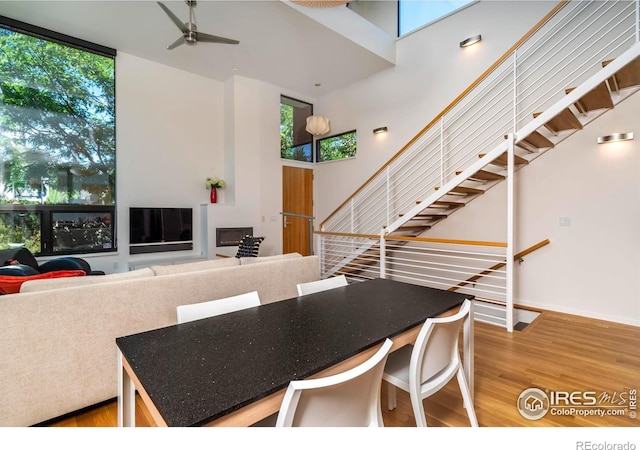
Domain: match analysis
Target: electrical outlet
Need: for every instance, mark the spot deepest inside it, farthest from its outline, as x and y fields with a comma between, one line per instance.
x=565, y=221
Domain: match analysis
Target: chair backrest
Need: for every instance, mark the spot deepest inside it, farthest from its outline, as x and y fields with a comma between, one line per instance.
x=321, y=285
x=249, y=246
x=187, y=313
x=436, y=347
x=347, y=399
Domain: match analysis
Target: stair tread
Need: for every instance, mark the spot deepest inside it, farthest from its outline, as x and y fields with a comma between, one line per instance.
x=485, y=175
x=464, y=190
x=415, y=228
x=598, y=98
x=502, y=160
x=626, y=77
x=536, y=140
x=564, y=121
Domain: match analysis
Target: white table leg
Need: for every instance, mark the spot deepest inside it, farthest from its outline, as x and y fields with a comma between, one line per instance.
x=468, y=349
x=126, y=397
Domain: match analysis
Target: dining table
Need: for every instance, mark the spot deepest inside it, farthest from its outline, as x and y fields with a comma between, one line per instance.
x=233, y=369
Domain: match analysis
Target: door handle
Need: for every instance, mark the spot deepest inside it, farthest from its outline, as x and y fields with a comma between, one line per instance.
x=285, y=223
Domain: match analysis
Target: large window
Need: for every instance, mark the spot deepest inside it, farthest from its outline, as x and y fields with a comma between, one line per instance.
x=295, y=141
x=57, y=142
x=413, y=14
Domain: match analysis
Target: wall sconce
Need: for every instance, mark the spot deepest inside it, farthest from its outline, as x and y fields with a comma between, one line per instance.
x=380, y=130
x=470, y=41
x=615, y=137
x=317, y=125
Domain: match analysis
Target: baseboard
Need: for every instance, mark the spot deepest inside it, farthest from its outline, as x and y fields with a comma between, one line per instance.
x=578, y=312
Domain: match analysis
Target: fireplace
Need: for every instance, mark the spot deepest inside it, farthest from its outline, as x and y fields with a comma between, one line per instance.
x=230, y=237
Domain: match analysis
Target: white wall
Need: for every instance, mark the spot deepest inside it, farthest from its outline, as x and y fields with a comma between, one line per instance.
x=173, y=130
x=169, y=138
x=431, y=71
x=252, y=164
x=590, y=268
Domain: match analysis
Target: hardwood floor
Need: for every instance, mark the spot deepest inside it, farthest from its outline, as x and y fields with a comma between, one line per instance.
x=557, y=352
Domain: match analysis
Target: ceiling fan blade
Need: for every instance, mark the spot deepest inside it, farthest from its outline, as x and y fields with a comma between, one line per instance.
x=179, y=23
x=204, y=37
x=180, y=41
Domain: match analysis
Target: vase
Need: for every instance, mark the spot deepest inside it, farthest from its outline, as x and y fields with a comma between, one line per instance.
x=214, y=195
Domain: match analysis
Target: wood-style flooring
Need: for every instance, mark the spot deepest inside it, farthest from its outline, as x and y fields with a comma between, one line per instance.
x=557, y=352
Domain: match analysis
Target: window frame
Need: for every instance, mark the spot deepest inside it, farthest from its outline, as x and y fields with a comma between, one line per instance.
x=433, y=20
x=318, y=143
x=47, y=211
x=310, y=143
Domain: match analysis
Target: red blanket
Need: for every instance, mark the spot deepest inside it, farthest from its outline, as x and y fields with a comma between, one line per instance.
x=11, y=284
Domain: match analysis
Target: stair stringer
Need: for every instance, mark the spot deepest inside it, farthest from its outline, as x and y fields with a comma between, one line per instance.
x=535, y=125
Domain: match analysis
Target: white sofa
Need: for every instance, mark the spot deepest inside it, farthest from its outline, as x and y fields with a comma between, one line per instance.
x=58, y=336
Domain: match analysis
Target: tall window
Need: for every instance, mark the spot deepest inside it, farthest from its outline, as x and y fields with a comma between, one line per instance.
x=57, y=142
x=295, y=141
x=413, y=14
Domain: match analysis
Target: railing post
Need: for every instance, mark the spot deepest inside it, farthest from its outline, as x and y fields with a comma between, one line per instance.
x=352, y=216
x=388, y=199
x=510, y=231
x=637, y=21
x=442, y=151
x=310, y=236
x=515, y=90
x=383, y=255
x=353, y=221
x=321, y=252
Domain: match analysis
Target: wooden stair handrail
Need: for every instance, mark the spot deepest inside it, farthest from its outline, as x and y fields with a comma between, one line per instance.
x=500, y=60
x=499, y=265
x=415, y=239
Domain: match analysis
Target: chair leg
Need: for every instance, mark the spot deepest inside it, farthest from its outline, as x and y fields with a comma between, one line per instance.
x=466, y=396
x=418, y=410
x=391, y=397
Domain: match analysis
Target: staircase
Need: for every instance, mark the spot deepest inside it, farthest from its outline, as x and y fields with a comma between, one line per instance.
x=578, y=63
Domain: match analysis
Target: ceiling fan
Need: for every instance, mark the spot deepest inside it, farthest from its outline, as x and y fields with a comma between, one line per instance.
x=190, y=33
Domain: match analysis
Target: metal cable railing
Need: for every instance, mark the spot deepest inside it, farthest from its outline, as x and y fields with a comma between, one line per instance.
x=566, y=49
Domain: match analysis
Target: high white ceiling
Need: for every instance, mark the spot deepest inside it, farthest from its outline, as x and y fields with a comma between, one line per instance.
x=278, y=44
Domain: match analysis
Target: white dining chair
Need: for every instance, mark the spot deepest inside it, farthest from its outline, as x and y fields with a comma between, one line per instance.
x=426, y=367
x=347, y=399
x=321, y=285
x=195, y=311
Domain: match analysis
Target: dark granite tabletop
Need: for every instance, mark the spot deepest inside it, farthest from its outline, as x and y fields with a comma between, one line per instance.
x=199, y=371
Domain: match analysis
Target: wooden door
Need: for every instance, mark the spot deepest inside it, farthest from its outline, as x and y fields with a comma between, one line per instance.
x=297, y=198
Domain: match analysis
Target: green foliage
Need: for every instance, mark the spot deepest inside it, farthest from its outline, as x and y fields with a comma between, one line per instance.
x=287, y=150
x=286, y=131
x=338, y=147
x=57, y=113
x=20, y=229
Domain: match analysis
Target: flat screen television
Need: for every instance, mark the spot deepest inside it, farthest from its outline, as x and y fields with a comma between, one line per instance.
x=154, y=230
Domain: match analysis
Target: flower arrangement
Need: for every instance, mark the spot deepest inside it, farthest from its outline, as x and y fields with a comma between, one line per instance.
x=213, y=182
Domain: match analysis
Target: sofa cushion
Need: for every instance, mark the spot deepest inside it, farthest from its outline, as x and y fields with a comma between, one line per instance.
x=195, y=266
x=18, y=270
x=260, y=259
x=58, y=283
x=11, y=285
